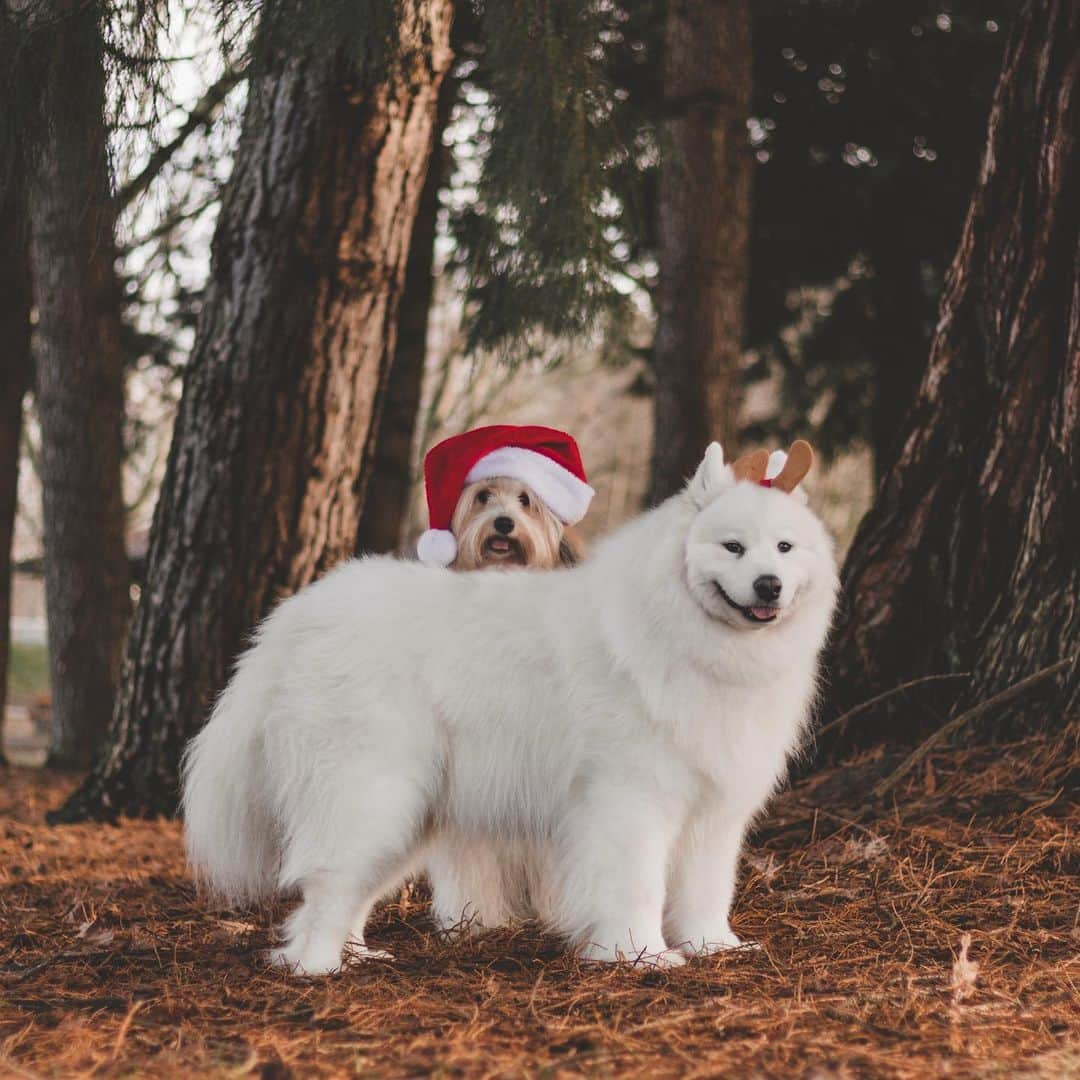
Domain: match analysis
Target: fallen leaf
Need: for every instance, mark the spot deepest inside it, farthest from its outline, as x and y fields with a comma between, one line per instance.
x=965, y=972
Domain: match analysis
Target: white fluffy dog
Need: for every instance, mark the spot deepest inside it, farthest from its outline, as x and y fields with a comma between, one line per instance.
x=588, y=743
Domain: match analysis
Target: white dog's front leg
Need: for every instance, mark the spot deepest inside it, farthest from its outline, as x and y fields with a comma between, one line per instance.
x=613, y=859
x=702, y=886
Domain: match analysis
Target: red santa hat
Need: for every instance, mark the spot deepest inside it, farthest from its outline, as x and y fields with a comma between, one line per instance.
x=545, y=459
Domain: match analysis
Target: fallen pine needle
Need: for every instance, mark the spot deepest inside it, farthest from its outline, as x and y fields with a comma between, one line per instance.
x=125, y=1027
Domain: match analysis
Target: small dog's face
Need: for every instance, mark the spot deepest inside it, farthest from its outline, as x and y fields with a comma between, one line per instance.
x=753, y=555
x=500, y=523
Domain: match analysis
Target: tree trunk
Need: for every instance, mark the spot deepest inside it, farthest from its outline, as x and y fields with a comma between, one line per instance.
x=264, y=483
x=968, y=559
x=80, y=388
x=704, y=231
x=386, y=502
x=14, y=380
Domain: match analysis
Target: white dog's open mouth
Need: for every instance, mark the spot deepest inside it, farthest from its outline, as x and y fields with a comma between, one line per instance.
x=755, y=613
x=503, y=549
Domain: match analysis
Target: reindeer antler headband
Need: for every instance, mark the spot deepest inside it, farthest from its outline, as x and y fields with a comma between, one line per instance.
x=753, y=466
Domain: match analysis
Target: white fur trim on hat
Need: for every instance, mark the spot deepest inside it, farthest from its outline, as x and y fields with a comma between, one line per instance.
x=566, y=496
x=436, y=547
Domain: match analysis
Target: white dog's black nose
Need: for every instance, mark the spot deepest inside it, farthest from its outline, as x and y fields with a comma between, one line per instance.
x=504, y=525
x=767, y=586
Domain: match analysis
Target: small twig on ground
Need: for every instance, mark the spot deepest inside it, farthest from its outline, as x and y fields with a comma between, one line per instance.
x=845, y=821
x=121, y=1035
x=993, y=702
x=865, y=706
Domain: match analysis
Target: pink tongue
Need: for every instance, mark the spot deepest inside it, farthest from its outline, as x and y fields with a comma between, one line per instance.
x=763, y=612
x=498, y=544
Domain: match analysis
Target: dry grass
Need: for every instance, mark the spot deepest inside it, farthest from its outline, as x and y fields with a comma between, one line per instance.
x=937, y=934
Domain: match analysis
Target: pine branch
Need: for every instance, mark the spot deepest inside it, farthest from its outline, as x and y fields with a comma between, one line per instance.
x=1001, y=698
x=170, y=222
x=866, y=706
x=202, y=115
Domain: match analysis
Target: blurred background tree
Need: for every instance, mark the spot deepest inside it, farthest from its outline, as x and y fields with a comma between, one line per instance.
x=386, y=500
x=703, y=217
x=60, y=140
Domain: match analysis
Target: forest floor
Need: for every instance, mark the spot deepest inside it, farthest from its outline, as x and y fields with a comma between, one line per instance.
x=932, y=933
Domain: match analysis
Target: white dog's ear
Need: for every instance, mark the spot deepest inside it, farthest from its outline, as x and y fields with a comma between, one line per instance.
x=711, y=478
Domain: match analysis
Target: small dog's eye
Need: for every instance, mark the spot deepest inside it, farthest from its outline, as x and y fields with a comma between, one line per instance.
x=783, y=547
x=482, y=497
x=524, y=500
x=734, y=547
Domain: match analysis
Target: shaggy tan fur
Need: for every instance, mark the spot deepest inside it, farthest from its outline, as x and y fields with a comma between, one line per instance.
x=536, y=537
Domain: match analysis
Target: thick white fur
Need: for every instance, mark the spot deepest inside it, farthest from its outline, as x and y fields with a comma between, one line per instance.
x=587, y=744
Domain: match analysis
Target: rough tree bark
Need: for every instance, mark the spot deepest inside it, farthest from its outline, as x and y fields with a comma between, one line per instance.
x=14, y=381
x=968, y=559
x=704, y=229
x=386, y=501
x=265, y=477
x=80, y=389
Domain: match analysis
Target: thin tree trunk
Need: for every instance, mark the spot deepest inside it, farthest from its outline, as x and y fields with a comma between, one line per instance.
x=265, y=477
x=14, y=381
x=704, y=230
x=968, y=559
x=386, y=502
x=80, y=388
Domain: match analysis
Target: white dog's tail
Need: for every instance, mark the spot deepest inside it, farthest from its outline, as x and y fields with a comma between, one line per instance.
x=230, y=830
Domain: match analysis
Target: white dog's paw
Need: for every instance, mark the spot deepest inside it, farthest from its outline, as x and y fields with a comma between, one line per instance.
x=594, y=953
x=304, y=966
x=711, y=944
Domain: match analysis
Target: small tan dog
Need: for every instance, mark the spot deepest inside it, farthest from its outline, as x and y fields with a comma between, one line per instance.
x=502, y=522
x=504, y=496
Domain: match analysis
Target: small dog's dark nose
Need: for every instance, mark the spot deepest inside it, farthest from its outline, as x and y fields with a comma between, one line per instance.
x=768, y=587
x=504, y=525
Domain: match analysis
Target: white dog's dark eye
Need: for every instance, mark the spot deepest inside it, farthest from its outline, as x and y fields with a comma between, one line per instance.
x=783, y=547
x=524, y=500
x=734, y=547
x=482, y=497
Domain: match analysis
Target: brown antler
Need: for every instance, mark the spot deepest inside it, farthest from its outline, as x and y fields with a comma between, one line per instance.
x=799, y=459
x=751, y=466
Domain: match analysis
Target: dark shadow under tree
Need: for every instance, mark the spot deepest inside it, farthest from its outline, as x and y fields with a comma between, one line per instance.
x=967, y=561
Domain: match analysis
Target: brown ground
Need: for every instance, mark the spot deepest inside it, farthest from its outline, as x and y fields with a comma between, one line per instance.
x=109, y=965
